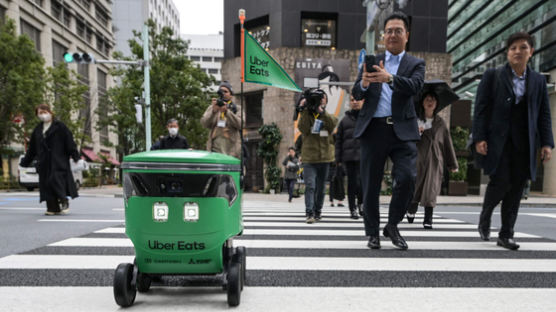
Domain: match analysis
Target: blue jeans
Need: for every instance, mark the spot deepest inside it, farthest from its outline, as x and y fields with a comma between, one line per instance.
x=314, y=175
x=290, y=183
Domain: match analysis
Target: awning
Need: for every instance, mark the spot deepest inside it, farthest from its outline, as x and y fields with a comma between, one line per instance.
x=90, y=154
x=110, y=159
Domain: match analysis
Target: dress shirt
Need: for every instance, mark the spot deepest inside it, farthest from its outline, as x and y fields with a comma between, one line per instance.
x=391, y=64
x=518, y=85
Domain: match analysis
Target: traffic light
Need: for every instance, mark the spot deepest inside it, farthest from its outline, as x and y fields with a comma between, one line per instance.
x=80, y=58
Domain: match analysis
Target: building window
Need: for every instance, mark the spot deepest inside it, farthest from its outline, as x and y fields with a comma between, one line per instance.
x=2, y=15
x=85, y=3
x=37, y=2
x=213, y=71
x=254, y=110
x=33, y=33
x=58, y=51
x=101, y=15
x=103, y=106
x=60, y=13
x=195, y=58
x=318, y=32
x=80, y=27
x=207, y=59
x=262, y=35
x=218, y=59
x=89, y=34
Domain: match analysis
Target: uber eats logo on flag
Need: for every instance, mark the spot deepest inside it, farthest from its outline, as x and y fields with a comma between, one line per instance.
x=260, y=67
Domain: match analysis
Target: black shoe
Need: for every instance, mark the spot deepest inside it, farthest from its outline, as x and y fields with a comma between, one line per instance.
x=508, y=243
x=360, y=209
x=427, y=226
x=484, y=233
x=331, y=204
x=318, y=217
x=374, y=242
x=410, y=217
x=354, y=215
x=392, y=232
x=340, y=205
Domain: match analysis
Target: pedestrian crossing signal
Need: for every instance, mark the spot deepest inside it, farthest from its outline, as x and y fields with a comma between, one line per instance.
x=79, y=58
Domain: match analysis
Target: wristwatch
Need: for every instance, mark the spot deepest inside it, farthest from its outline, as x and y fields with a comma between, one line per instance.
x=390, y=79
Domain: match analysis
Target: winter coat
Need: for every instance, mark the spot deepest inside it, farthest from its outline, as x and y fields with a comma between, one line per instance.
x=347, y=147
x=53, y=151
x=226, y=139
x=434, y=150
x=291, y=171
x=169, y=142
x=317, y=148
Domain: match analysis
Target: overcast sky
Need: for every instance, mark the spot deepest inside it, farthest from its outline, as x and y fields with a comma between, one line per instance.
x=201, y=16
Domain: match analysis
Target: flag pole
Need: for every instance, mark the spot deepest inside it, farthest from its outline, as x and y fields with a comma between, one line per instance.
x=242, y=45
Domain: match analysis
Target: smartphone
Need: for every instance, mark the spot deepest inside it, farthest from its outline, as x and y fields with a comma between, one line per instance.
x=369, y=62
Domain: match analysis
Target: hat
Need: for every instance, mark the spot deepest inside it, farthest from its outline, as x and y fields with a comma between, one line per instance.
x=227, y=85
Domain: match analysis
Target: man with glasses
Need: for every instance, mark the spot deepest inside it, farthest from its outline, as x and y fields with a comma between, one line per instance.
x=222, y=117
x=387, y=127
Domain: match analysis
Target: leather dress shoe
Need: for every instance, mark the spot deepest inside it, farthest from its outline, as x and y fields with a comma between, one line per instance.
x=410, y=217
x=392, y=232
x=374, y=242
x=485, y=234
x=508, y=243
x=354, y=215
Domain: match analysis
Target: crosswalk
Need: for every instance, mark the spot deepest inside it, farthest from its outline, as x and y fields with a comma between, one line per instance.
x=296, y=266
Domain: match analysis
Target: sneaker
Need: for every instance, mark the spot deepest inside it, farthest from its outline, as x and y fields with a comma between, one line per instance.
x=310, y=220
x=354, y=215
x=49, y=213
x=318, y=217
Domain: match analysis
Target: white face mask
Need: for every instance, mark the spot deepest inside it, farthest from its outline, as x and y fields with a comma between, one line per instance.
x=173, y=131
x=46, y=117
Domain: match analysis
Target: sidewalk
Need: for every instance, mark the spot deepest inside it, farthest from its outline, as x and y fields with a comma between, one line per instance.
x=533, y=200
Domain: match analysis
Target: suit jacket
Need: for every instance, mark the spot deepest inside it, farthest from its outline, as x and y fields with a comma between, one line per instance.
x=408, y=81
x=492, y=116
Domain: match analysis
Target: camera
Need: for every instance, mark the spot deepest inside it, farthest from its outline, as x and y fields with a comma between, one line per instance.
x=312, y=98
x=220, y=101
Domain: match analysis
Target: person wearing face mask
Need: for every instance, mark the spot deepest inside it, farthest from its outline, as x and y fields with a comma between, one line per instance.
x=434, y=152
x=222, y=118
x=348, y=154
x=173, y=140
x=52, y=144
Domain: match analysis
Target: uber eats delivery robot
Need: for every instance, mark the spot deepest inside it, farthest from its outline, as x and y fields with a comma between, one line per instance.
x=182, y=210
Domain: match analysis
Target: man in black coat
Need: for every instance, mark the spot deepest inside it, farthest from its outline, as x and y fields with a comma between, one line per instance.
x=173, y=140
x=348, y=154
x=387, y=127
x=512, y=115
x=52, y=144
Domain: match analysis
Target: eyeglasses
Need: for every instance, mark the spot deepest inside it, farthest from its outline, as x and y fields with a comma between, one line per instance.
x=397, y=31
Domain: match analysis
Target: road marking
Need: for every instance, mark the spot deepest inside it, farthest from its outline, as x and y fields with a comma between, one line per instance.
x=401, y=264
x=300, y=263
x=542, y=215
x=62, y=219
x=346, y=218
x=320, y=244
x=21, y=208
x=62, y=262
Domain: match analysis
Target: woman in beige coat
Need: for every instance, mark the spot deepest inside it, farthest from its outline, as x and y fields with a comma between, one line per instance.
x=434, y=151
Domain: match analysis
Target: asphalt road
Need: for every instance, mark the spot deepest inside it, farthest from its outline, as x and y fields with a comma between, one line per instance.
x=291, y=265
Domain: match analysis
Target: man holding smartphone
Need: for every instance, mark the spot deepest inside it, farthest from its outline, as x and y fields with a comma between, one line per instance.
x=387, y=127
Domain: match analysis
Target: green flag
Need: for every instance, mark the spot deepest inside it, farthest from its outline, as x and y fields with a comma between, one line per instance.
x=260, y=67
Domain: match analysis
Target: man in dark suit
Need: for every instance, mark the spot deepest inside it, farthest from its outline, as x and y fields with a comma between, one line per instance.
x=512, y=116
x=387, y=127
x=173, y=140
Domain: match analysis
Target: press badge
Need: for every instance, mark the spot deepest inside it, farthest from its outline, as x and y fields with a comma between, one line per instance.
x=221, y=123
x=316, y=126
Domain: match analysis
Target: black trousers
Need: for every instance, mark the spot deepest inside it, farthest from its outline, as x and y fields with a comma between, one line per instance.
x=52, y=205
x=506, y=185
x=354, y=184
x=379, y=142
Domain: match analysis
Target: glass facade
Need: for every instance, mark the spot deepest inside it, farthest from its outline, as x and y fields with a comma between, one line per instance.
x=477, y=33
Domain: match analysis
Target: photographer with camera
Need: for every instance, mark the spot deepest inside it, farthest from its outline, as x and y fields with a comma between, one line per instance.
x=316, y=127
x=223, y=119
